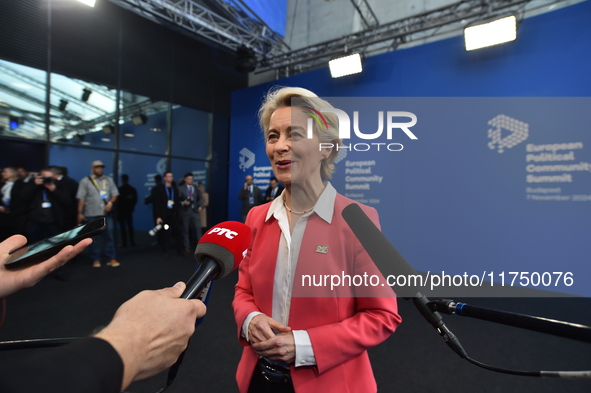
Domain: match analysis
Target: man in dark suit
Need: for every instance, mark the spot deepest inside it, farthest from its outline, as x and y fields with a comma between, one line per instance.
x=47, y=201
x=127, y=201
x=250, y=195
x=150, y=198
x=60, y=173
x=166, y=209
x=274, y=189
x=191, y=205
x=13, y=210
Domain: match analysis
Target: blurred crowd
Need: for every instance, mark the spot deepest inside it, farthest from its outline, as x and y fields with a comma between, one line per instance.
x=45, y=203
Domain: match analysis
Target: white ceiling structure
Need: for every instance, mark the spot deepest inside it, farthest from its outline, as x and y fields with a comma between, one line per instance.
x=315, y=32
x=319, y=30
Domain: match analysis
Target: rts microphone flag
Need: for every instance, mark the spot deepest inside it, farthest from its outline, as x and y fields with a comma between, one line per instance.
x=219, y=252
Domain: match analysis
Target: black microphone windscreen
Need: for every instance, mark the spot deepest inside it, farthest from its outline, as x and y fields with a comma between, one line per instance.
x=223, y=256
x=386, y=257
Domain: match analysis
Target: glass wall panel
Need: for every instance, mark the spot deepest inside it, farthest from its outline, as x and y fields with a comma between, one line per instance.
x=180, y=166
x=78, y=160
x=191, y=133
x=143, y=124
x=82, y=113
x=22, y=101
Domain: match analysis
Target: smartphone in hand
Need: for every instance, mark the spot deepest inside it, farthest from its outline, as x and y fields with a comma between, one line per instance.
x=35, y=253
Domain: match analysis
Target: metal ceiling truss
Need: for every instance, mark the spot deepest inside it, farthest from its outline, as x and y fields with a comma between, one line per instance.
x=388, y=36
x=240, y=28
x=195, y=18
x=368, y=17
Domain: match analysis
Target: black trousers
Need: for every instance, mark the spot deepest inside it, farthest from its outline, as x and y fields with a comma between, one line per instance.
x=258, y=384
x=173, y=231
x=126, y=227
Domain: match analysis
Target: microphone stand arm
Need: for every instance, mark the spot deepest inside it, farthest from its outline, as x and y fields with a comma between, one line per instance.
x=538, y=324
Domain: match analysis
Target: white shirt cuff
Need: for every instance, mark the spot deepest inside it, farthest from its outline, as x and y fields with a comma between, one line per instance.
x=304, y=351
x=246, y=322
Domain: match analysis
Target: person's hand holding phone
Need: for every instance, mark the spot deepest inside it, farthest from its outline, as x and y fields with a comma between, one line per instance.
x=12, y=281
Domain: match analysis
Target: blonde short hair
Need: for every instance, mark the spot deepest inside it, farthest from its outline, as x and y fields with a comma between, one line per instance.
x=282, y=97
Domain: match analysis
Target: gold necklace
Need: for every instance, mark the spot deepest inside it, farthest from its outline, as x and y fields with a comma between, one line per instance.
x=294, y=212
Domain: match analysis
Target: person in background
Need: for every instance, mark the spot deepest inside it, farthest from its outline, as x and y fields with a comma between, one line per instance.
x=250, y=195
x=191, y=205
x=126, y=205
x=97, y=195
x=13, y=210
x=24, y=175
x=47, y=202
x=146, y=336
x=274, y=189
x=150, y=198
x=203, y=211
x=60, y=173
x=166, y=210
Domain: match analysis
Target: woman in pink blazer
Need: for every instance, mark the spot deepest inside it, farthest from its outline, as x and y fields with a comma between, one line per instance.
x=300, y=334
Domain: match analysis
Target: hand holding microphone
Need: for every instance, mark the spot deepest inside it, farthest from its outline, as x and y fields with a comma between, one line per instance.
x=151, y=330
x=219, y=252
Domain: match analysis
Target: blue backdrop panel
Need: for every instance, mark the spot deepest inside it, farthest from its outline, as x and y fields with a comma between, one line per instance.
x=191, y=133
x=448, y=201
x=141, y=169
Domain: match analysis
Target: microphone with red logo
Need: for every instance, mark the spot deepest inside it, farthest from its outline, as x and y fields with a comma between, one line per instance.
x=219, y=252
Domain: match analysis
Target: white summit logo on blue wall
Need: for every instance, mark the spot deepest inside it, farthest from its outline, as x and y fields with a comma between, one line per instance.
x=246, y=159
x=506, y=132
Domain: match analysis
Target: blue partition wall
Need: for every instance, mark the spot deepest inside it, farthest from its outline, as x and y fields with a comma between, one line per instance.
x=471, y=194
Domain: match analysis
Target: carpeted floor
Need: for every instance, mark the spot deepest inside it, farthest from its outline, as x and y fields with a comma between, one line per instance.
x=413, y=359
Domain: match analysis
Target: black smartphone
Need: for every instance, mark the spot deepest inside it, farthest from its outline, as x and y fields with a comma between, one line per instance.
x=35, y=253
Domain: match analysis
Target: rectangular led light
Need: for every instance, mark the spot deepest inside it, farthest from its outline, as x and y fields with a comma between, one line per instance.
x=88, y=2
x=492, y=33
x=346, y=65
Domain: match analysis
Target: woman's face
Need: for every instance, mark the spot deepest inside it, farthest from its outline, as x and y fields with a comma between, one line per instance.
x=294, y=158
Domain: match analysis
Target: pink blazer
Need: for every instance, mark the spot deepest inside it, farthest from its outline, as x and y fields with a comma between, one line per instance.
x=341, y=328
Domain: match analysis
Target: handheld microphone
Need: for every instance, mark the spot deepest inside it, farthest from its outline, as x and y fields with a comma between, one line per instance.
x=391, y=263
x=219, y=252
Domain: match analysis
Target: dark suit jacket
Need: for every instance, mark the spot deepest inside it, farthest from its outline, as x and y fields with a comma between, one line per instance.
x=33, y=195
x=16, y=219
x=197, y=200
x=127, y=199
x=89, y=365
x=161, y=200
x=244, y=197
x=71, y=212
x=280, y=189
x=18, y=207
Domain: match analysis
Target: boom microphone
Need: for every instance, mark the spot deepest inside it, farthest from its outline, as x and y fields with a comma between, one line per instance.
x=391, y=263
x=219, y=252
